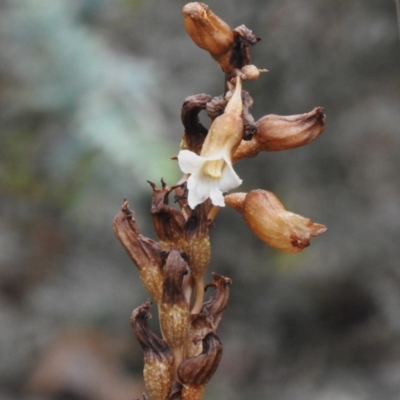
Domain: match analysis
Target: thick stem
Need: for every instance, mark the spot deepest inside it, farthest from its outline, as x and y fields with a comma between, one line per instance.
x=178, y=358
x=199, y=296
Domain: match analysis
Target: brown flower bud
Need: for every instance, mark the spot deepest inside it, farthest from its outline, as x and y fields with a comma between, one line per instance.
x=158, y=357
x=168, y=222
x=199, y=370
x=218, y=300
x=267, y=218
x=144, y=252
x=207, y=30
x=251, y=72
x=275, y=132
x=174, y=310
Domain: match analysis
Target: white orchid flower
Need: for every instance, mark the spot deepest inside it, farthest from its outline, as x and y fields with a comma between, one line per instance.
x=211, y=172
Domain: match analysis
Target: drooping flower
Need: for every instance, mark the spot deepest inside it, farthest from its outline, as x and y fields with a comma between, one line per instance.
x=265, y=215
x=277, y=132
x=211, y=172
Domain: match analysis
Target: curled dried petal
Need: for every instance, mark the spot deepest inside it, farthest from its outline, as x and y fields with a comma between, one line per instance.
x=200, y=369
x=267, y=218
x=199, y=326
x=219, y=299
x=195, y=132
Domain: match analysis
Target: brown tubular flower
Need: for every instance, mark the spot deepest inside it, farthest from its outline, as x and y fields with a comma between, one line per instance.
x=230, y=48
x=198, y=249
x=275, y=132
x=144, y=252
x=158, y=357
x=267, y=218
x=219, y=299
x=168, y=222
x=209, y=32
x=174, y=309
x=197, y=371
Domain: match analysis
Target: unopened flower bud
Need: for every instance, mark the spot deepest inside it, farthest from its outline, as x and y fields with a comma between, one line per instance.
x=276, y=132
x=158, y=357
x=144, y=252
x=200, y=369
x=174, y=310
x=168, y=222
x=208, y=31
x=251, y=72
x=268, y=219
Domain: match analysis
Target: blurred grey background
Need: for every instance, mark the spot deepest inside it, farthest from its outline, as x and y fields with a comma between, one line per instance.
x=90, y=98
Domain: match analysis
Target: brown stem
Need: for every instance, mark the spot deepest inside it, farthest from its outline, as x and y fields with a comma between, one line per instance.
x=199, y=296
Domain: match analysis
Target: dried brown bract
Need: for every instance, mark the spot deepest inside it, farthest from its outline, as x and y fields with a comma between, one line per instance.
x=174, y=310
x=144, y=252
x=158, y=357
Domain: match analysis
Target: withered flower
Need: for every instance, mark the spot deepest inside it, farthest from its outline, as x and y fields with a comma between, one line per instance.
x=267, y=218
x=197, y=371
x=195, y=133
x=144, y=252
x=174, y=309
x=276, y=132
x=218, y=300
x=158, y=357
x=212, y=173
x=168, y=222
x=199, y=326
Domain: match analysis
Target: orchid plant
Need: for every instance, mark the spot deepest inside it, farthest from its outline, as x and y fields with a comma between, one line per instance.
x=178, y=365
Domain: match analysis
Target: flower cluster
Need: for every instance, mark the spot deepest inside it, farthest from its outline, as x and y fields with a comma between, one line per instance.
x=178, y=365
